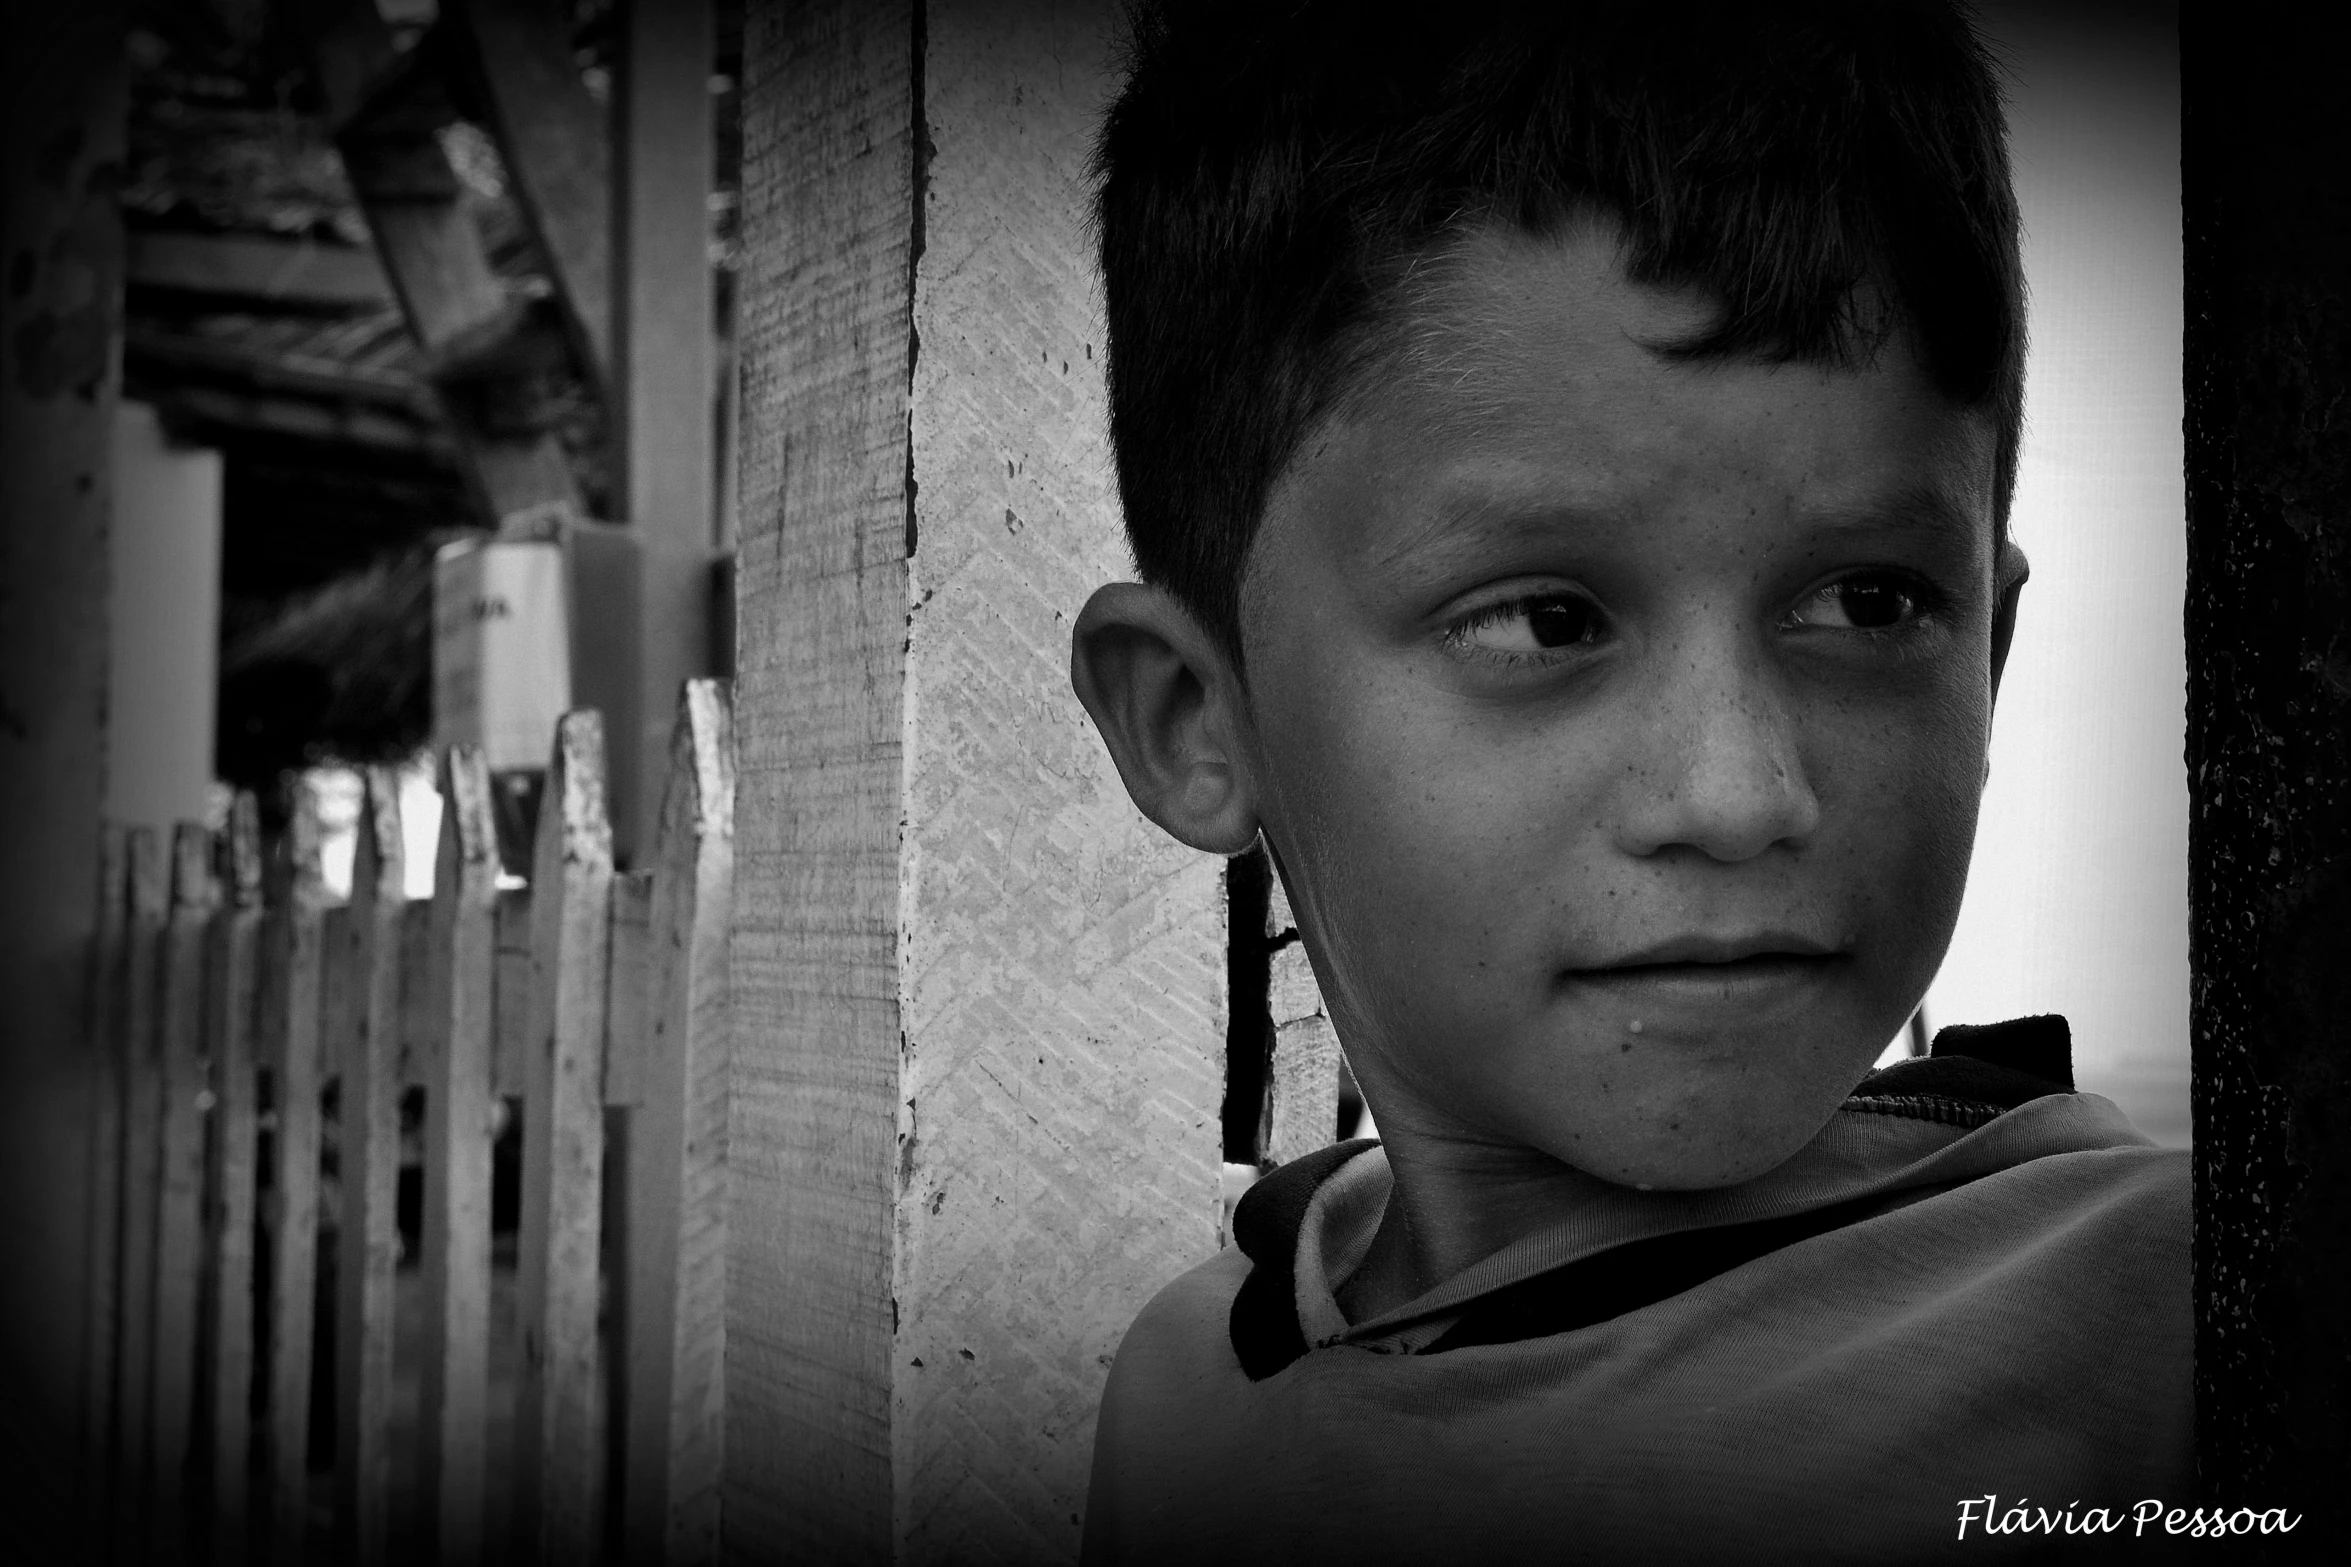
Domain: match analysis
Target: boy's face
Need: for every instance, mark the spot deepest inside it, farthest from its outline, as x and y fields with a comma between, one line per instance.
x=1620, y=724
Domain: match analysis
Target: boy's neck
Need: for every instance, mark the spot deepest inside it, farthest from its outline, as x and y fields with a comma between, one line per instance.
x=1453, y=1204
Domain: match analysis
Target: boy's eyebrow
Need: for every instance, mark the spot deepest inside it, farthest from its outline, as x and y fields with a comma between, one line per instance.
x=1466, y=518
x=1914, y=508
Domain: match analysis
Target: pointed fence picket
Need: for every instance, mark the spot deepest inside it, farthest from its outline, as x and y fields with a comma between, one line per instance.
x=255, y=1043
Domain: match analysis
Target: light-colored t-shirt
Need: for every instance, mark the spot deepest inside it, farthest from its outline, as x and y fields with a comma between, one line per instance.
x=2007, y=1317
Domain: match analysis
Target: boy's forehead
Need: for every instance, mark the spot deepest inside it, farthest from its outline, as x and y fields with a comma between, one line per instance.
x=1527, y=388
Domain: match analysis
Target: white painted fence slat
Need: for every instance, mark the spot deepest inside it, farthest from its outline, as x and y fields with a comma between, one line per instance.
x=368, y=1249
x=298, y=977
x=677, y=1156
x=231, y=1035
x=559, y=1461
x=108, y=997
x=142, y=1165
x=458, y=1108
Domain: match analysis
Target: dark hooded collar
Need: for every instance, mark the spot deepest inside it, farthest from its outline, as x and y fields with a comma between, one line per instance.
x=1972, y=1075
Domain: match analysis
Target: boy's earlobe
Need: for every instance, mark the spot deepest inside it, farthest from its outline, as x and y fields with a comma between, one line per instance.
x=2009, y=576
x=1167, y=701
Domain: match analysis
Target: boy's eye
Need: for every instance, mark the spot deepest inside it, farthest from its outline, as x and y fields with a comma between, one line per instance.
x=1533, y=625
x=1873, y=603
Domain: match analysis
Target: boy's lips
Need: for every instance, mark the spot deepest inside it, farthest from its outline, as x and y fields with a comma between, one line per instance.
x=1707, y=971
x=1719, y=949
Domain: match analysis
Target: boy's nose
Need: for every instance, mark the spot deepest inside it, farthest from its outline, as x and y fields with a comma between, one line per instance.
x=1721, y=770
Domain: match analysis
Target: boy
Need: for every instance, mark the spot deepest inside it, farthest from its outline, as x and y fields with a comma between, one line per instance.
x=1568, y=449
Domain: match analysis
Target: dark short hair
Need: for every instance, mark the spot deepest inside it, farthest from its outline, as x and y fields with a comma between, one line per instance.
x=1827, y=170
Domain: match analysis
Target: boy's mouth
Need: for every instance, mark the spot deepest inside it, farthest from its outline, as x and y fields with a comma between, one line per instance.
x=1709, y=969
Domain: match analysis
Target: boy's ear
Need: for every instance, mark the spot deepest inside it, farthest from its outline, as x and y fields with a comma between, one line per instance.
x=1170, y=707
x=2009, y=577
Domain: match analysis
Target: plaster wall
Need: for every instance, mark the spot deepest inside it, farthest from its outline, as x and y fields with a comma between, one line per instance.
x=162, y=676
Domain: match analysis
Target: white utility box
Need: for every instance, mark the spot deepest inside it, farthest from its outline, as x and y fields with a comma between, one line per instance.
x=501, y=648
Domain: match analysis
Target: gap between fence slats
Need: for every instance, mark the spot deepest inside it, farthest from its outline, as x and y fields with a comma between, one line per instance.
x=294, y=1012
x=369, y=1049
x=558, y=1462
x=511, y=991
x=142, y=1124
x=419, y=1008
x=458, y=1101
x=629, y=1011
x=677, y=1151
x=230, y=1175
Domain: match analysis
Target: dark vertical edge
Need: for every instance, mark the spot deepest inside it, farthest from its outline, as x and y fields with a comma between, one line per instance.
x=1248, y=1024
x=2265, y=134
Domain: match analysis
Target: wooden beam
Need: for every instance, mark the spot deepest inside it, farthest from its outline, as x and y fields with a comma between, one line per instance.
x=554, y=141
x=558, y=1451
x=180, y=356
x=259, y=269
x=978, y=1127
x=665, y=395
x=427, y=242
x=2267, y=359
x=217, y=416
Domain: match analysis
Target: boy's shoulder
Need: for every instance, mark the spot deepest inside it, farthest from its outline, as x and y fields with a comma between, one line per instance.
x=2015, y=1319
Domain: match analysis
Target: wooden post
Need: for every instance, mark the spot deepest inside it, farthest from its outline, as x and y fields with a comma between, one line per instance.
x=109, y=981
x=2265, y=133
x=142, y=1168
x=664, y=390
x=975, y=1115
x=368, y=1251
x=458, y=1104
x=63, y=77
x=293, y=1013
x=230, y=1034
x=559, y=1460
x=677, y=1157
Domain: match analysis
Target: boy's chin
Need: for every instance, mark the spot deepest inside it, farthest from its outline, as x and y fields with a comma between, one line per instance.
x=1688, y=1154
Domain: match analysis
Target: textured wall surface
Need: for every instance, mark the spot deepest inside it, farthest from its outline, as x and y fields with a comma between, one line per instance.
x=979, y=1045
x=1064, y=960
x=2265, y=138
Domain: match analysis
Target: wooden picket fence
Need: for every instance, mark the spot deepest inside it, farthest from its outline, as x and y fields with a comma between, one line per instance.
x=258, y=1043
